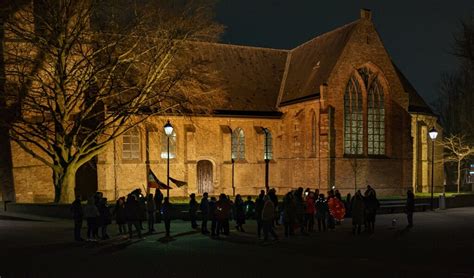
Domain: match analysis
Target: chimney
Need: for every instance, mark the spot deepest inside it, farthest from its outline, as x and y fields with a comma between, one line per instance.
x=365, y=14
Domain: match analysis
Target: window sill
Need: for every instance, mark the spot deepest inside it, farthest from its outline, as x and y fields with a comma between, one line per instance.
x=131, y=161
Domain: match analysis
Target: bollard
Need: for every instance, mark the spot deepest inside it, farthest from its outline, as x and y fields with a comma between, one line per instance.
x=442, y=201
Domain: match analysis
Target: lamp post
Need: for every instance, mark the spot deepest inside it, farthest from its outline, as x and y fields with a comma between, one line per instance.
x=433, y=133
x=267, y=157
x=168, y=131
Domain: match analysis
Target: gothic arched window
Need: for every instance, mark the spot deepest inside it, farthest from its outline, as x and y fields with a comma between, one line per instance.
x=353, y=120
x=267, y=144
x=131, y=145
x=164, y=145
x=354, y=128
x=375, y=119
x=238, y=144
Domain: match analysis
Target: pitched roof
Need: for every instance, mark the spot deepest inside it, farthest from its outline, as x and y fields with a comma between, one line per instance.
x=250, y=77
x=416, y=102
x=312, y=62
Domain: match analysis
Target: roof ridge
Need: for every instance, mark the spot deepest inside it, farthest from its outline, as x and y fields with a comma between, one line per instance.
x=326, y=34
x=242, y=46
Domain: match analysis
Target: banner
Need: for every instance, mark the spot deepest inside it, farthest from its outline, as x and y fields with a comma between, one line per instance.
x=154, y=182
x=178, y=182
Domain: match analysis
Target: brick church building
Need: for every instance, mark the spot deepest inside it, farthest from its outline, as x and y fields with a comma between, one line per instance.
x=334, y=111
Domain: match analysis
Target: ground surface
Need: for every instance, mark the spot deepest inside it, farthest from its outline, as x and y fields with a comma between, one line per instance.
x=440, y=245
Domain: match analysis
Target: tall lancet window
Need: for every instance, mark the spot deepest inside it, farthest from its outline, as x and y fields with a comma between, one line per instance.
x=353, y=119
x=238, y=144
x=375, y=119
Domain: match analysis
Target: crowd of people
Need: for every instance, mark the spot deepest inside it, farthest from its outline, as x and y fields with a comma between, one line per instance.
x=298, y=212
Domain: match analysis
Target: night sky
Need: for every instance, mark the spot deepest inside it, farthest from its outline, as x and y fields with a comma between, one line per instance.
x=418, y=33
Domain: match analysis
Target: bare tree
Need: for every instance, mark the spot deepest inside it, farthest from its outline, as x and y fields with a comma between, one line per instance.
x=458, y=151
x=81, y=73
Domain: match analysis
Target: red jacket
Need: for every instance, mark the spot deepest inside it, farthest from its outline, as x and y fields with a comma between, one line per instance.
x=310, y=207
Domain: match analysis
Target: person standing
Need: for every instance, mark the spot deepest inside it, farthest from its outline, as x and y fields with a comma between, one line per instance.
x=289, y=214
x=239, y=209
x=77, y=215
x=142, y=211
x=274, y=199
x=300, y=211
x=410, y=207
x=166, y=210
x=268, y=217
x=132, y=215
x=119, y=213
x=330, y=217
x=348, y=204
x=204, y=207
x=104, y=218
x=151, y=209
x=249, y=208
x=322, y=210
x=309, y=211
x=91, y=213
x=158, y=203
x=371, y=206
x=223, y=208
x=259, y=202
x=358, y=209
x=193, y=208
x=212, y=216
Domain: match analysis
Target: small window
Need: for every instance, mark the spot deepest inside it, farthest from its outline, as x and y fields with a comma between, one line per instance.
x=238, y=144
x=131, y=145
x=164, y=145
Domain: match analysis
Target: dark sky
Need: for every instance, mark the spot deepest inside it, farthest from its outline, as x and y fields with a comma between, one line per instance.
x=418, y=33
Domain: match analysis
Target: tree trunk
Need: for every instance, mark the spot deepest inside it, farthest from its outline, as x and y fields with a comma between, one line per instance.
x=459, y=176
x=64, y=179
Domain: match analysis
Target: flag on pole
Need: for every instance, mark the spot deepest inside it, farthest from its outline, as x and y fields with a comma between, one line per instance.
x=154, y=182
x=178, y=182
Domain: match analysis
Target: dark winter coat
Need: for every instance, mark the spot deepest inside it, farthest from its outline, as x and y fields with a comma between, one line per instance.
x=193, y=206
x=239, y=212
x=142, y=208
x=120, y=214
x=76, y=210
x=259, y=207
x=104, y=215
x=410, y=206
x=223, y=208
x=358, y=210
x=204, y=207
x=212, y=210
x=166, y=211
x=132, y=210
x=289, y=210
x=322, y=208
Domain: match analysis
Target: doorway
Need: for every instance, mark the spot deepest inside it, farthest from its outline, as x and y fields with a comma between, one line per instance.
x=205, y=177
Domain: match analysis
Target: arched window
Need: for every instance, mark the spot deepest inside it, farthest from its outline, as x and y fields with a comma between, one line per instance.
x=131, y=145
x=238, y=144
x=313, y=132
x=267, y=144
x=353, y=120
x=164, y=145
x=375, y=119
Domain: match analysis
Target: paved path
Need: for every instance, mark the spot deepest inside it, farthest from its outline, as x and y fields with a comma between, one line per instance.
x=440, y=245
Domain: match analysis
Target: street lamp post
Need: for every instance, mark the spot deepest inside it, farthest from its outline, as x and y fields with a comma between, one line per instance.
x=168, y=131
x=433, y=133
